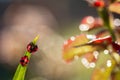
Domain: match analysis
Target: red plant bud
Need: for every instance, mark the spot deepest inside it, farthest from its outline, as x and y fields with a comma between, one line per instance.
x=116, y=47
x=99, y=3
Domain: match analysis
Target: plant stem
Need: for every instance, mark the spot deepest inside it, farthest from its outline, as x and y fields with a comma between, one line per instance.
x=105, y=15
x=21, y=70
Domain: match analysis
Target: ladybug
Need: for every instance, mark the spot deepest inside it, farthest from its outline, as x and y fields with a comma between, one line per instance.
x=31, y=47
x=24, y=60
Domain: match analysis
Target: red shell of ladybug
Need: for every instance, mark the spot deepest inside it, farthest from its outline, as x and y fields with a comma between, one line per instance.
x=24, y=61
x=32, y=47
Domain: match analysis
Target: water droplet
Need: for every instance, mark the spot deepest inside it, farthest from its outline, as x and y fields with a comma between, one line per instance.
x=84, y=27
x=117, y=22
x=109, y=63
x=91, y=37
x=90, y=20
x=72, y=38
x=92, y=65
x=106, y=51
x=96, y=53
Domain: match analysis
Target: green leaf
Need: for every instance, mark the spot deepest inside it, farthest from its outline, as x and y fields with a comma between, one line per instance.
x=70, y=51
x=115, y=7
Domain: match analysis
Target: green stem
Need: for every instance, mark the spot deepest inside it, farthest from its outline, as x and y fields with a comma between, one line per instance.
x=21, y=70
x=105, y=15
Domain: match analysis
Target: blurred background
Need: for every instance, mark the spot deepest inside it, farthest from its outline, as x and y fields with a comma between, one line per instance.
x=55, y=21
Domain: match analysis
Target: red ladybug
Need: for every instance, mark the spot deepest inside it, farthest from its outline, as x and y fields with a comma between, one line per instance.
x=32, y=47
x=24, y=61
